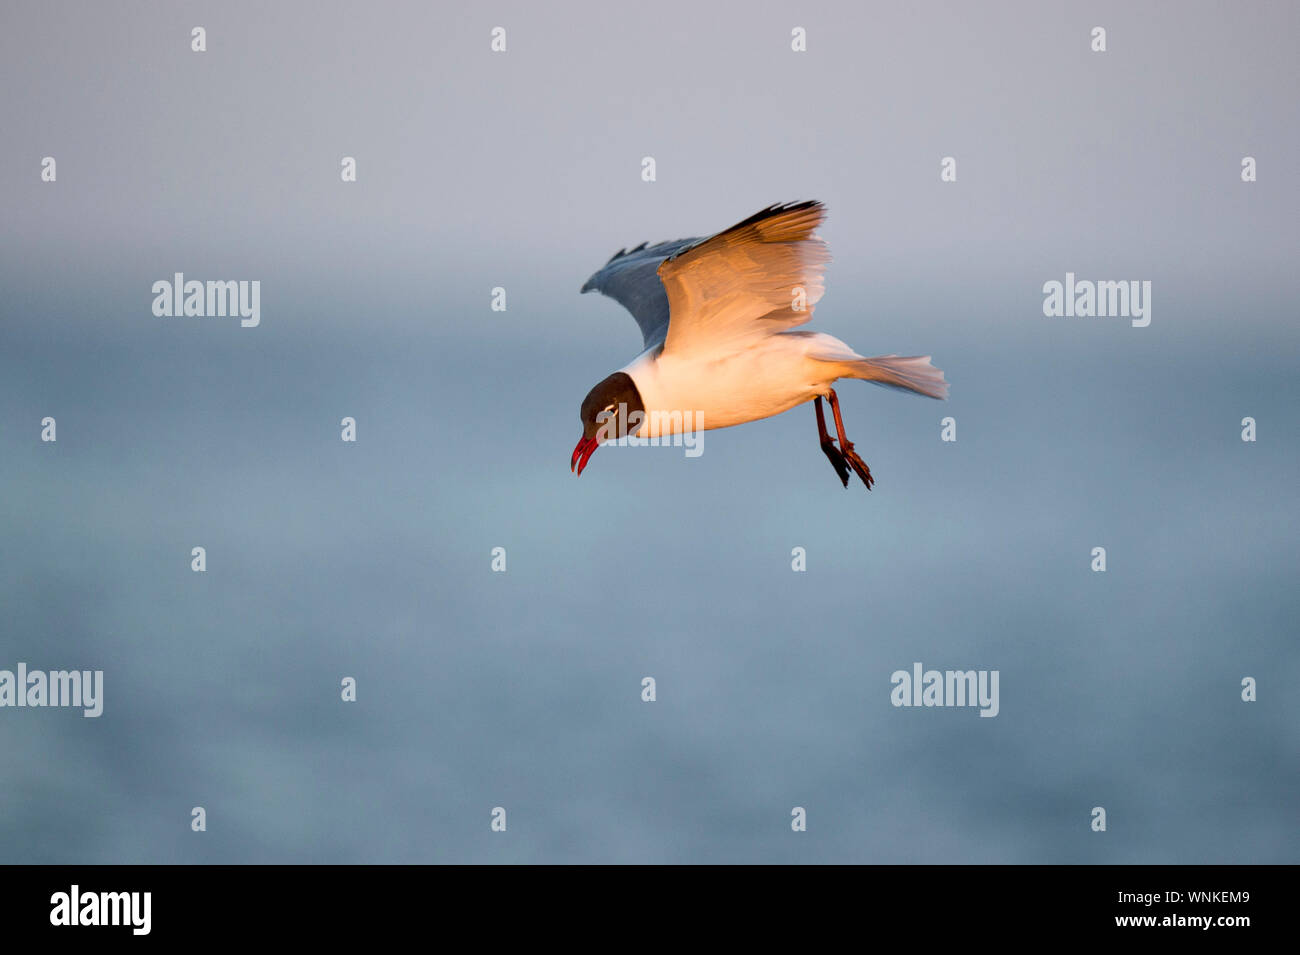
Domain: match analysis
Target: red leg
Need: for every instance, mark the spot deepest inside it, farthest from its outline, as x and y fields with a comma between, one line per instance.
x=846, y=446
x=828, y=444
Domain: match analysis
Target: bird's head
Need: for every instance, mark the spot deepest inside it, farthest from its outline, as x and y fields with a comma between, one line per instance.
x=612, y=409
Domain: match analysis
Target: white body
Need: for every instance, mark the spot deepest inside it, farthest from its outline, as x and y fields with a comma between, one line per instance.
x=771, y=376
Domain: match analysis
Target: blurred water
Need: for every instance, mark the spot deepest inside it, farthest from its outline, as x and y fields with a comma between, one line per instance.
x=522, y=689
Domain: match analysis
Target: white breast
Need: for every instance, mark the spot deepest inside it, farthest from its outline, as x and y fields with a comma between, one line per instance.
x=700, y=394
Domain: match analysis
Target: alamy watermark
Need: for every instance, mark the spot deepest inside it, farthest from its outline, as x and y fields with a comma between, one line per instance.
x=1085, y=298
x=678, y=429
x=179, y=298
x=76, y=907
x=76, y=688
x=923, y=687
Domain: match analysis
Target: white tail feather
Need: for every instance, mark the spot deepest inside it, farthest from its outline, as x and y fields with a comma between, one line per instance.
x=914, y=373
x=910, y=373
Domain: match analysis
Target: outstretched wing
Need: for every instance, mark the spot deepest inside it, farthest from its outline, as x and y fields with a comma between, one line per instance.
x=631, y=278
x=759, y=277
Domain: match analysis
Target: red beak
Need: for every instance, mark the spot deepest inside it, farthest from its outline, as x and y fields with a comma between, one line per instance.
x=582, y=453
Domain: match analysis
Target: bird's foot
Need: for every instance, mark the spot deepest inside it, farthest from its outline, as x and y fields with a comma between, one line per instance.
x=837, y=460
x=859, y=466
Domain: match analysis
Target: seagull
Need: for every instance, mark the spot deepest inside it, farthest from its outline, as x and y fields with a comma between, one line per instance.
x=717, y=318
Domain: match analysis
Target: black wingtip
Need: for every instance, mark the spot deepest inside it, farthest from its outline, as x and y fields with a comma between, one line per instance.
x=781, y=208
x=776, y=209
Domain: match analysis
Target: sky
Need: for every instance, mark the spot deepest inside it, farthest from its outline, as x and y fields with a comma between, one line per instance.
x=522, y=689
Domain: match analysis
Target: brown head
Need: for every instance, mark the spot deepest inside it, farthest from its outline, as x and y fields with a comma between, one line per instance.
x=605, y=413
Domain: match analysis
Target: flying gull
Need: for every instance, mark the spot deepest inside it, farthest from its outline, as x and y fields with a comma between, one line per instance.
x=717, y=318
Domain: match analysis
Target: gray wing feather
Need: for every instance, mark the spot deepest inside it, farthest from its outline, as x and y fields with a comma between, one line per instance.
x=631, y=278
